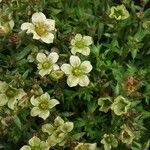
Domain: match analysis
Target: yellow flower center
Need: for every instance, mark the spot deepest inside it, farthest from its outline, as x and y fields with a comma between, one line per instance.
x=41, y=29
x=46, y=65
x=79, y=44
x=43, y=105
x=77, y=71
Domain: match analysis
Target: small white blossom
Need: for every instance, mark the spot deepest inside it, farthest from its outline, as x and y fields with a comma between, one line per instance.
x=81, y=44
x=77, y=71
x=47, y=63
x=42, y=105
x=41, y=27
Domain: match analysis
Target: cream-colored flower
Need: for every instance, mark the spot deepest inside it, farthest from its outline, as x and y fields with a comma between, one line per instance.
x=109, y=141
x=120, y=106
x=47, y=63
x=42, y=105
x=36, y=144
x=81, y=44
x=119, y=12
x=77, y=71
x=10, y=95
x=41, y=27
x=86, y=146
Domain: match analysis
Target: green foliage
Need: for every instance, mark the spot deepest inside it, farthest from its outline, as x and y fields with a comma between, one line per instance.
x=119, y=55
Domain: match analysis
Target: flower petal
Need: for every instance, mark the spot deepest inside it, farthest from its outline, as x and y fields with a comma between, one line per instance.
x=74, y=50
x=11, y=103
x=35, y=111
x=78, y=37
x=87, y=40
x=53, y=103
x=53, y=57
x=41, y=57
x=55, y=67
x=73, y=42
x=26, y=147
x=44, y=114
x=51, y=24
x=27, y=26
x=48, y=128
x=72, y=80
x=38, y=17
x=85, y=51
x=45, y=96
x=84, y=80
x=48, y=38
x=35, y=141
x=34, y=101
x=66, y=68
x=44, y=72
x=75, y=61
x=35, y=35
x=3, y=99
x=86, y=66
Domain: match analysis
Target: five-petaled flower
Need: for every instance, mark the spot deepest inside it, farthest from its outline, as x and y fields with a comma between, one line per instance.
x=36, y=144
x=120, y=106
x=10, y=95
x=77, y=71
x=42, y=105
x=81, y=44
x=109, y=141
x=41, y=27
x=47, y=63
x=119, y=12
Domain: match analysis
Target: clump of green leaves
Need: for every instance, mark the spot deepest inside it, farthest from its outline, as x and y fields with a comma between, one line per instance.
x=106, y=108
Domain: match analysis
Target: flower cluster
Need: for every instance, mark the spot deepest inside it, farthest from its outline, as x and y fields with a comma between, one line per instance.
x=58, y=132
x=120, y=105
x=36, y=144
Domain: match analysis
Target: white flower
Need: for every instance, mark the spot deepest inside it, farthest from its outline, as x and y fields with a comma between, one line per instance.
x=77, y=71
x=47, y=63
x=81, y=44
x=42, y=105
x=10, y=95
x=41, y=28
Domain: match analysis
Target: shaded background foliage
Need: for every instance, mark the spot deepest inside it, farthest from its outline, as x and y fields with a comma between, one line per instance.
x=121, y=49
